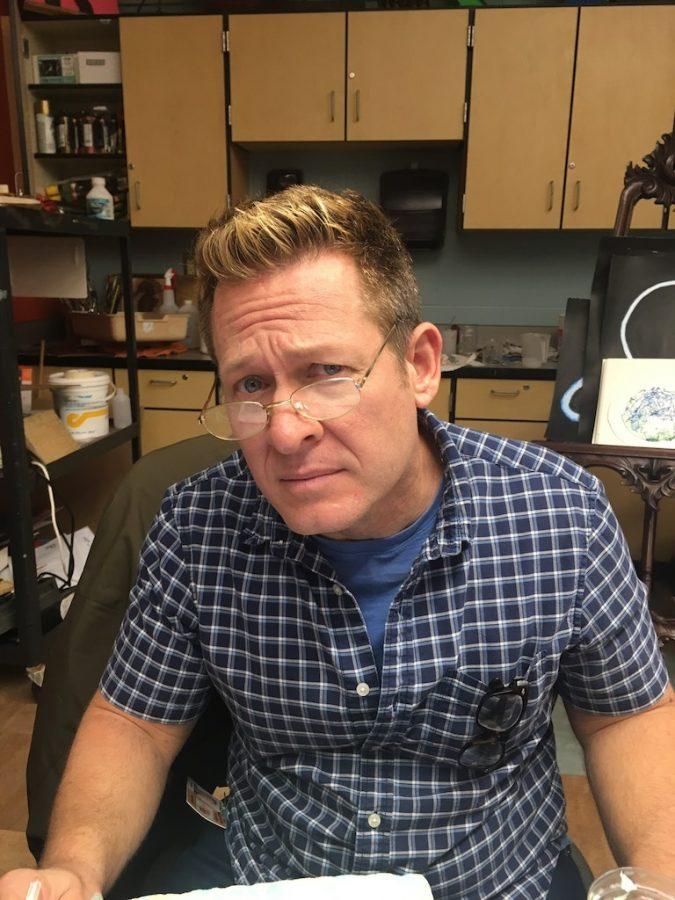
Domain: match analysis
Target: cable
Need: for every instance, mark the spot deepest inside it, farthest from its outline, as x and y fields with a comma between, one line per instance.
x=59, y=538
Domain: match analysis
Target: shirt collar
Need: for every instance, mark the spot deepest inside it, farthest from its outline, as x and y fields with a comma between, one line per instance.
x=456, y=516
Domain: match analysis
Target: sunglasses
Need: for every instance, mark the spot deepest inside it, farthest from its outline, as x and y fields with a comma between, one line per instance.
x=500, y=710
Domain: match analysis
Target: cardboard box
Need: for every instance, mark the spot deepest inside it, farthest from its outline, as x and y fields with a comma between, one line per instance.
x=97, y=67
x=54, y=68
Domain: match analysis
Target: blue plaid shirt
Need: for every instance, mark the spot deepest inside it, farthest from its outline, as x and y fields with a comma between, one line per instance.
x=334, y=769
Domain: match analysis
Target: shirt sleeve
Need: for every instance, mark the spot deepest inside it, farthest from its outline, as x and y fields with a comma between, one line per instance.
x=156, y=669
x=614, y=666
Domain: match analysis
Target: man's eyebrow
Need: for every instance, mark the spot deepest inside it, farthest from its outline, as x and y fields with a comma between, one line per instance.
x=313, y=353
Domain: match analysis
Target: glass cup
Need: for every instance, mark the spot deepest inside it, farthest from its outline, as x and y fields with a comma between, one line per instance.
x=467, y=340
x=632, y=884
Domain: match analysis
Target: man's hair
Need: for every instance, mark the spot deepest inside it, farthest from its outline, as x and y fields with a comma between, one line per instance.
x=261, y=236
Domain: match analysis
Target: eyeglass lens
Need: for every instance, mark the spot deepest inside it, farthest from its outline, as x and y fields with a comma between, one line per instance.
x=324, y=400
x=499, y=712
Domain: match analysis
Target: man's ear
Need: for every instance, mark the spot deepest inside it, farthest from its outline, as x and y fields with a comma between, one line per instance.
x=423, y=361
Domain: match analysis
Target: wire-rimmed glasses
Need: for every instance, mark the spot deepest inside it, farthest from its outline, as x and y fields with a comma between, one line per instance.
x=499, y=712
x=320, y=401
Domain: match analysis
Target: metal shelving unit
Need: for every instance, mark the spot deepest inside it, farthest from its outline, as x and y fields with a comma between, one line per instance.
x=17, y=479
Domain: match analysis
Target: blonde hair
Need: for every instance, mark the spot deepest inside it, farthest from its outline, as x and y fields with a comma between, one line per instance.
x=260, y=236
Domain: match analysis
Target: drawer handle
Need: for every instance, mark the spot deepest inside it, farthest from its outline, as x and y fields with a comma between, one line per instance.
x=165, y=382
x=494, y=393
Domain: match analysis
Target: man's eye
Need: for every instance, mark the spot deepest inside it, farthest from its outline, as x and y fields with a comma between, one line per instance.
x=249, y=385
x=330, y=369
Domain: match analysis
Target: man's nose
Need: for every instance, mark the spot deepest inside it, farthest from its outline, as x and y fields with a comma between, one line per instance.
x=287, y=429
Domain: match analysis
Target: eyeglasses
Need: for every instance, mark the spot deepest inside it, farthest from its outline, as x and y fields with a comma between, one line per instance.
x=318, y=402
x=499, y=712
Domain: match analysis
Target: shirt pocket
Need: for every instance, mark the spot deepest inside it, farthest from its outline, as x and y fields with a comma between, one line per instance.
x=444, y=719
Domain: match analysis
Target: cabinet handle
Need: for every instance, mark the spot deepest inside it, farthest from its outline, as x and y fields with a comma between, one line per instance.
x=577, y=192
x=549, y=202
x=331, y=106
x=357, y=105
x=504, y=394
x=165, y=382
x=137, y=193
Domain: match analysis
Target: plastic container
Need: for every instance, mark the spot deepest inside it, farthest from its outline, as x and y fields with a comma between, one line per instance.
x=636, y=884
x=81, y=398
x=121, y=409
x=150, y=327
x=100, y=203
x=168, y=304
x=192, y=335
x=467, y=340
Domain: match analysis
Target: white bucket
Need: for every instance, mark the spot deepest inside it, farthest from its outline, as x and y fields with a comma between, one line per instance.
x=81, y=397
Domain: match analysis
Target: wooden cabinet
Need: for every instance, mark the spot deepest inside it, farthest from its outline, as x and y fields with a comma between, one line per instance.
x=521, y=88
x=170, y=402
x=440, y=405
x=287, y=77
x=507, y=406
x=174, y=107
x=624, y=99
x=406, y=74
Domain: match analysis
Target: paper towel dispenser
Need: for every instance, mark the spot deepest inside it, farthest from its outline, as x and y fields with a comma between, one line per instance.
x=416, y=200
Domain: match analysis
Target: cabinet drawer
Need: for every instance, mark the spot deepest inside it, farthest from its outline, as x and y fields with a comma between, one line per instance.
x=503, y=398
x=521, y=431
x=170, y=388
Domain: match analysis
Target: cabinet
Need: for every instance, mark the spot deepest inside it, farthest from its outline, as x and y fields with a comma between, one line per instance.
x=405, y=76
x=521, y=89
x=508, y=406
x=440, y=405
x=519, y=173
x=624, y=99
x=174, y=106
x=287, y=77
x=170, y=401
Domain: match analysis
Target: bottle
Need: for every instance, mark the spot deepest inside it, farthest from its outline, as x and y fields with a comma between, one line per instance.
x=75, y=132
x=44, y=124
x=63, y=127
x=86, y=123
x=100, y=200
x=192, y=338
x=101, y=129
x=467, y=340
x=121, y=409
x=168, y=304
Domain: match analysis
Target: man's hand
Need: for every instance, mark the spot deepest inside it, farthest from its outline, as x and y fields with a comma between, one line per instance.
x=55, y=884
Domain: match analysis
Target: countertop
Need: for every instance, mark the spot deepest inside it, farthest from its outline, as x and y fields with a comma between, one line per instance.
x=193, y=360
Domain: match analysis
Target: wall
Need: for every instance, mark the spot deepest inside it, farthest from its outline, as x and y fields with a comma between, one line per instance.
x=491, y=277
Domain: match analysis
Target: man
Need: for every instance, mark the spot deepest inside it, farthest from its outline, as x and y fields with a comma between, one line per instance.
x=388, y=605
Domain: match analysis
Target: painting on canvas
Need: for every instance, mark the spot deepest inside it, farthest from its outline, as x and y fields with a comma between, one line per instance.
x=636, y=403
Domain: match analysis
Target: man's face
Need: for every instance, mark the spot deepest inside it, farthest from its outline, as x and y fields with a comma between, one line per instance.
x=366, y=474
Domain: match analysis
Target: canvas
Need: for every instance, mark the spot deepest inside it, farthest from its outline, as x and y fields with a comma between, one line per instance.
x=636, y=403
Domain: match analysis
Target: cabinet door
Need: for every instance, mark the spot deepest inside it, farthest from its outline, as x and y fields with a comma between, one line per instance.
x=406, y=75
x=287, y=77
x=440, y=405
x=173, y=80
x=624, y=98
x=521, y=89
x=161, y=427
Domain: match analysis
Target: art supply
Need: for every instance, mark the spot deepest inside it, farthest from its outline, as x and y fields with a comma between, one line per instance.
x=81, y=397
x=192, y=335
x=100, y=203
x=44, y=126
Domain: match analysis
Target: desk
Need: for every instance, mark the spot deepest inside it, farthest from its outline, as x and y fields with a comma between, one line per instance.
x=649, y=473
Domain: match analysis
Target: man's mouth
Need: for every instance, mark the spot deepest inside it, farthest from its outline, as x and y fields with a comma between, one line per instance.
x=308, y=478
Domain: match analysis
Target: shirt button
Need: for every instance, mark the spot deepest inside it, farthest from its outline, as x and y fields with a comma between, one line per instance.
x=337, y=590
x=374, y=820
x=362, y=689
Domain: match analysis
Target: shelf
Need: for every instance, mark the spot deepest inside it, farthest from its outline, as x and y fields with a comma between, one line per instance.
x=80, y=156
x=116, y=438
x=81, y=88
x=190, y=360
x=22, y=220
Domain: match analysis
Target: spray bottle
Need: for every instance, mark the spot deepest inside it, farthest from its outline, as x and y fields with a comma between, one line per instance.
x=168, y=297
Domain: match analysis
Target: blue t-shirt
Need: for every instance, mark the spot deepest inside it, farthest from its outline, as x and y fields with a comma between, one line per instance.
x=373, y=570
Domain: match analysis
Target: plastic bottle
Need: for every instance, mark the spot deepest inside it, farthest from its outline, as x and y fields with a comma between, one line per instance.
x=192, y=338
x=86, y=128
x=168, y=304
x=44, y=124
x=121, y=409
x=63, y=128
x=100, y=202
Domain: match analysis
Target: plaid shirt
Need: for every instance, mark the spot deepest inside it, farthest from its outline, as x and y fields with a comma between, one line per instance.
x=334, y=769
